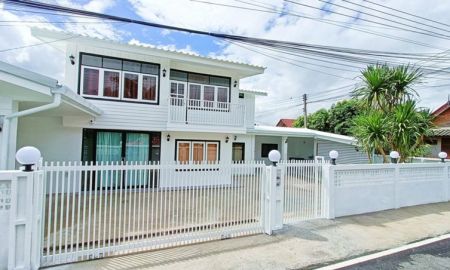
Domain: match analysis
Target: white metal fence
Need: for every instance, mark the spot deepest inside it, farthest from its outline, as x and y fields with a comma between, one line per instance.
x=69, y=212
x=93, y=211
x=303, y=190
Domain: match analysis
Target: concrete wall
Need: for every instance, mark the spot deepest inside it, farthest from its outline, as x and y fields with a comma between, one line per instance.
x=358, y=189
x=56, y=142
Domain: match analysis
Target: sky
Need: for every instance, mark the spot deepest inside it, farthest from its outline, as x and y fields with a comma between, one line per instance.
x=285, y=81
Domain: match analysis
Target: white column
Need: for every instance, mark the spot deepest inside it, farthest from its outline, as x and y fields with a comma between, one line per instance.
x=8, y=106
x=284, y=148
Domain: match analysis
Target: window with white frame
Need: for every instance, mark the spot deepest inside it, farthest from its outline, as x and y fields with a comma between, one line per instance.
x=197, y=151
x=118, y=79
x=203, y=91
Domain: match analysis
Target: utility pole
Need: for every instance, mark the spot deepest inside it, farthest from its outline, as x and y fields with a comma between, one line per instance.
x=305, y=112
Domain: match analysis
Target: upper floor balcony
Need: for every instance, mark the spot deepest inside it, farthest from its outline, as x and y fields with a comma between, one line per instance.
x=195, y=113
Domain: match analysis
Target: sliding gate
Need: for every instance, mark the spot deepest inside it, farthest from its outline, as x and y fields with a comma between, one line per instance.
x=93, y=211
x=303, y=190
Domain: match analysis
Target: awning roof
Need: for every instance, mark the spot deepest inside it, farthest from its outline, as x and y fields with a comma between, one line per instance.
x=253, y=92
x=441, y=132
x=301, y=132
x=32, y=89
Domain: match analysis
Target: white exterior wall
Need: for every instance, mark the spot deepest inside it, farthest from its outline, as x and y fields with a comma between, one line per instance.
x=168, y=147
x=348, y=154
x=134, y=116
x=56, y=142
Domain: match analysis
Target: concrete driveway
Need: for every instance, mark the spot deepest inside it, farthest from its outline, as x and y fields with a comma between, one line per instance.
x=306, y=245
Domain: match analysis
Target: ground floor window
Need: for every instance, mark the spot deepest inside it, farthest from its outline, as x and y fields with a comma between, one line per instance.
x=266, y=148
x=238, y=151
x=117, y=146
x=114, y=145
x=197, y=151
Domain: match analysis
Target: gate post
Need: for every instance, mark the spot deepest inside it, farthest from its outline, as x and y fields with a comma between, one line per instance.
x=328, y=190
x=24, y=231
x=274, y=198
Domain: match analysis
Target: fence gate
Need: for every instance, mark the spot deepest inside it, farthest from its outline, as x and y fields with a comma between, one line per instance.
x=97, y=210
x=303, y=190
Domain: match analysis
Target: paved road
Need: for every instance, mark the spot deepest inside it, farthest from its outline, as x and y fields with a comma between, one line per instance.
x=432, y=256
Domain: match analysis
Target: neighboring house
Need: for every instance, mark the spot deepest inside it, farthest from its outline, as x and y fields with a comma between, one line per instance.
x=122, y=102
x=440, y=140
x=286, y=123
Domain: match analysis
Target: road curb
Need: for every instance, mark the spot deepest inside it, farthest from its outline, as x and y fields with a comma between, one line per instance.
x=384, y=253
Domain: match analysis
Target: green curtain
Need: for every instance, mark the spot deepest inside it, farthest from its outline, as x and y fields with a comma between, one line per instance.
x=109, y=148
x=137, y=150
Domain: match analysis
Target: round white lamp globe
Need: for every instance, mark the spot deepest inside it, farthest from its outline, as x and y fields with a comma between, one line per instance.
x=442, y=155
x=334, y=154
x=28, y=156
x=394, y=154
x=274, y=156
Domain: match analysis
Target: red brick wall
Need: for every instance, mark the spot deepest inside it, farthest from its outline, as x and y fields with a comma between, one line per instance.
x=443, y=120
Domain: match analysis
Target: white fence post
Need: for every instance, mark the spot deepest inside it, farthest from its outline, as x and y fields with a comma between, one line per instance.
x=328, y=190
x=274, y=198
x=24, y=228
x=396, y=187
x=446, y=182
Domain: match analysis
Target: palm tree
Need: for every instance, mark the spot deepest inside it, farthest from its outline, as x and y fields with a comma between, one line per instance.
x=385, y=87
x=371, y=130
x=408, y=127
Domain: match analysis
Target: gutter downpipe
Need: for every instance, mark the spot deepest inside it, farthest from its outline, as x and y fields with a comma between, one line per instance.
x=6, y=123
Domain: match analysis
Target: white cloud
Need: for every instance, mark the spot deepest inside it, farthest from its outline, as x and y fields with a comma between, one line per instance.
x=45, y=59
x=283, y=80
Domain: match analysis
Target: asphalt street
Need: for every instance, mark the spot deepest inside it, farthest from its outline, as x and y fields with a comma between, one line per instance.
x=435, y=256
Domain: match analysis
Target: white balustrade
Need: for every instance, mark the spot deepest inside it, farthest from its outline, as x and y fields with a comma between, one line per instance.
x=201, y=112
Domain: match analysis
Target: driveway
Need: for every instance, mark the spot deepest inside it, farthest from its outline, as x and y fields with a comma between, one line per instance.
x=306, y=245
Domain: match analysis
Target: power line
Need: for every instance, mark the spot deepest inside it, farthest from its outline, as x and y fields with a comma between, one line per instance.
x=427, y=33
x=396, y=15
x=387, y=19
x=404, y=12
x=326, y=21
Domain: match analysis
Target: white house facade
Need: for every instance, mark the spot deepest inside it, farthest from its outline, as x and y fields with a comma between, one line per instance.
x=122, y=102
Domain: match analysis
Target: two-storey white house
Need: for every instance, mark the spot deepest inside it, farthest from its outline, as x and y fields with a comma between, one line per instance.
x=122, y=102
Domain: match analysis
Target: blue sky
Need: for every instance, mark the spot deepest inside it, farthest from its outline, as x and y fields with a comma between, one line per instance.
x=284, y=82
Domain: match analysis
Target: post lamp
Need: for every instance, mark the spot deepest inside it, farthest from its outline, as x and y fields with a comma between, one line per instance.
x=28, y=156
x=442, y=156
x=394, y=157
x=333, y=156
x=274, y=156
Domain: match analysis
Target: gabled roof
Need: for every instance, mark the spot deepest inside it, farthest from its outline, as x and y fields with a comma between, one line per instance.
x=441, y=109
x=284, y=122
x=53, y=36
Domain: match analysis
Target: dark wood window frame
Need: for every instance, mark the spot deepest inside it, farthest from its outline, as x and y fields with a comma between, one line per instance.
x=80, y=66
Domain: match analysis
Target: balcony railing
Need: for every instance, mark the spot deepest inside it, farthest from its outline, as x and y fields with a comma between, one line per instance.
x=202, y=112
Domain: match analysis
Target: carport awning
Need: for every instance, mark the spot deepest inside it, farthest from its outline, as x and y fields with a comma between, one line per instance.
x=301, y=132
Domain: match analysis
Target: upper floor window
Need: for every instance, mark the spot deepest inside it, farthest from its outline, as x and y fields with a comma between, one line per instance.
x=118, y=79
x=202, y=91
